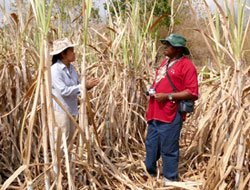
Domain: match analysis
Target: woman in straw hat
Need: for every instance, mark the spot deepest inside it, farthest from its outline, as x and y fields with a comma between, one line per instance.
x=176, y=79
x=65, y=85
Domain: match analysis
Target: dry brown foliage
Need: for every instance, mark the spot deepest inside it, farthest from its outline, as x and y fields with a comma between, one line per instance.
x=215, y=139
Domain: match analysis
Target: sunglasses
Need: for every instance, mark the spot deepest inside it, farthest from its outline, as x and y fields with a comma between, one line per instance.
x=167, y=45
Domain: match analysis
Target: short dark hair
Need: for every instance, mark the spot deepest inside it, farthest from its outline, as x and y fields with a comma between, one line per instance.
x=57, y=57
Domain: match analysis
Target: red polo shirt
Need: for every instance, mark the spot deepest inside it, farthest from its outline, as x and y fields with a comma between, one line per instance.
x=183, y=75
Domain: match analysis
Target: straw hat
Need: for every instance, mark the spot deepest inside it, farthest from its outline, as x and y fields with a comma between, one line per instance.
x=176, y=40
x=60, y=45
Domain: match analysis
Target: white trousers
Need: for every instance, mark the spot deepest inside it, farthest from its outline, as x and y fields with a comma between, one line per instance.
x=66, y=125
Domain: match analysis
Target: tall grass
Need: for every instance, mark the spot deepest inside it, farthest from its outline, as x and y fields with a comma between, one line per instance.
x=108, y=145
x=223, y=131
x=115, y=95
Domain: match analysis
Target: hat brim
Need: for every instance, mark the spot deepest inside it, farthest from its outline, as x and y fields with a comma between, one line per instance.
x=185, y=49
x=61, y=50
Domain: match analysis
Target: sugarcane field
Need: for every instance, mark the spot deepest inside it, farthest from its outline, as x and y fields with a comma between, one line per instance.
x=125, y=94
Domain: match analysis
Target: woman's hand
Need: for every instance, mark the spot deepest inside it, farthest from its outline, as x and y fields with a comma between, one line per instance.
x=90, y=83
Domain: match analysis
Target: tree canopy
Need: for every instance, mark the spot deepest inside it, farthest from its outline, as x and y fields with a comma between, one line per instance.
x=162, y=7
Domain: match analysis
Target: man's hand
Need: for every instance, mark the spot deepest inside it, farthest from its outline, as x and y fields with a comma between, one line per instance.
x=90, y=83
x=183, y=95
x=161, y=97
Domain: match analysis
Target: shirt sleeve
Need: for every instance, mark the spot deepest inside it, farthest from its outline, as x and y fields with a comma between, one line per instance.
x=59, y=84
x=190, y=81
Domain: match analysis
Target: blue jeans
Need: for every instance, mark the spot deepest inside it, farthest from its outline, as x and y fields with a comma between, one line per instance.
x=163, y=140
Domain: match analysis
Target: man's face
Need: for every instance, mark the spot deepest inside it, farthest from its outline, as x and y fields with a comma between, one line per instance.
x=172, y=51
x=169, y=50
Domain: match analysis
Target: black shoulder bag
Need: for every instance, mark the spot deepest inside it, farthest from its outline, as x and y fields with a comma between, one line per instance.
x=184, y=106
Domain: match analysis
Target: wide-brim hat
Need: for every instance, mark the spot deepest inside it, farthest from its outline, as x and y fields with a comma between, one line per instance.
x=60, y=45
x=176, y=40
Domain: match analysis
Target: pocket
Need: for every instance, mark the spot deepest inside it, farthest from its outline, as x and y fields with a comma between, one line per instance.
x=169, y=109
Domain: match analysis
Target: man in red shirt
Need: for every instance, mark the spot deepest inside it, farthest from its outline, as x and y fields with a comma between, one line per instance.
x=164, y=119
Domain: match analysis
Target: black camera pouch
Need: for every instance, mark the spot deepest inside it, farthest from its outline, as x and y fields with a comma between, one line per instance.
x=186, y=106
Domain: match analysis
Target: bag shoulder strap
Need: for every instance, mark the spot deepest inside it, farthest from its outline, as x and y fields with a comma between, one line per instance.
x=174, y=89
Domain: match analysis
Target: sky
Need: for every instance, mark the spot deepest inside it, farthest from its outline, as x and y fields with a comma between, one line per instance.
x=99, y=4
x=7, y=7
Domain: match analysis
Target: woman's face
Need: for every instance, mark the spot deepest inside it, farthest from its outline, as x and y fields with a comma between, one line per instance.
x=69, y=55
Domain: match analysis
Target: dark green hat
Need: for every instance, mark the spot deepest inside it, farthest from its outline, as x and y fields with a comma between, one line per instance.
x=176, y=40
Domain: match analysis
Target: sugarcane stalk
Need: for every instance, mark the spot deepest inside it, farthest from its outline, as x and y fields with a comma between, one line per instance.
x=50, y=110
x=67, y=162
x=83, y=119
x=77, y=126
x=172, y=16
x=45, y=137
x=240, y=159
x=4, y=32
x=31, y=125
x=39, y=10
x=92, y=119
x=107, y=129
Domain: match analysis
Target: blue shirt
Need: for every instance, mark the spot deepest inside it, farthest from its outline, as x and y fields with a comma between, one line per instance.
x=65, y=86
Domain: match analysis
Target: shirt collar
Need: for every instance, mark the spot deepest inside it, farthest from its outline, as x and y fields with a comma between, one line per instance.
x=170, y=64
x=62, y=65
